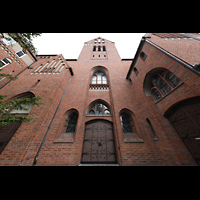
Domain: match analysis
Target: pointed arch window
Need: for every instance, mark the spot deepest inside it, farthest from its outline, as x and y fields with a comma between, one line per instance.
x=126, y=122
x=71, y=121
x=99, y=78
x=128, y=127
x=162, y=82
x=98, y=108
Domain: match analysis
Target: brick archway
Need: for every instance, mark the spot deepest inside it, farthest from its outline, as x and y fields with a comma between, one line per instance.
x=185, y=117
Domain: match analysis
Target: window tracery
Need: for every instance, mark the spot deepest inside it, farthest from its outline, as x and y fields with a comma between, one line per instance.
x=99, y=108
x=163, y=82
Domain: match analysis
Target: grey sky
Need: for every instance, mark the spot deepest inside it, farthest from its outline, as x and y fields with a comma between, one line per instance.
x=71, y=44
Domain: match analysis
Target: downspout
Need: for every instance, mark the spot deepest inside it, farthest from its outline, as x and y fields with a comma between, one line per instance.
x=19, y=74
x=35, y=159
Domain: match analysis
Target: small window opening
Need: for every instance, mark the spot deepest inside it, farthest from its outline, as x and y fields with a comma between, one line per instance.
x=136, y=71
x=155, y=136
x=94, y=48
x=72, y=121
x=4, y=62
x=143, y=56
x=126, y=123
x=99, y=48
x=104, y=48
x=20, y=53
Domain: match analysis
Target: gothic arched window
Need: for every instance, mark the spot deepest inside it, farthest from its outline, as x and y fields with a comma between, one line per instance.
x=129, y=127
x=98, y=108
x=162, y=82
x=71, y=121
x=126, y=122
x=99, y=77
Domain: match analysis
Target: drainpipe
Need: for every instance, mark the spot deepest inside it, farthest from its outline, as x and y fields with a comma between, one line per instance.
x=35, y=159
x=18, y=74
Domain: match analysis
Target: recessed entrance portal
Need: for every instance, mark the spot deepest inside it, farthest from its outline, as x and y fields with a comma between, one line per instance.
x=185, y=117
x=98, y=144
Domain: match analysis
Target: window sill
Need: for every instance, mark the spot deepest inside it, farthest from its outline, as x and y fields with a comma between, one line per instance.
x=65, y=138
x=132, y=138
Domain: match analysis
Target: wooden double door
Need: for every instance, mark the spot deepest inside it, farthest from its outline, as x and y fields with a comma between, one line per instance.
x=185, y=117
x=98, y=144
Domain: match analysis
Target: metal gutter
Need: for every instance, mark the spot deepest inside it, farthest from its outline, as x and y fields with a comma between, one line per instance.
x=175, y=58
x=193, y=68
x=35, y=159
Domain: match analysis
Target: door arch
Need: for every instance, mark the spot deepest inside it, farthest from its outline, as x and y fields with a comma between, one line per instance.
x=98, y=144
x=185, y=117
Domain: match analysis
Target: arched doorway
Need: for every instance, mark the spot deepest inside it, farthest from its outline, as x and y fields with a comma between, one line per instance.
x=185, y=117
x=98, y=144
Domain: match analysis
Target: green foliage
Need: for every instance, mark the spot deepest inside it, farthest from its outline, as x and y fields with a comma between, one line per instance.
x=8, y=76
x=25, y=41
x=5, y=107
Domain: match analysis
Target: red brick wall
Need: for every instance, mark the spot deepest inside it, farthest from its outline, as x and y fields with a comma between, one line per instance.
x=17, y=64
x=168, y=150
x=170, y=147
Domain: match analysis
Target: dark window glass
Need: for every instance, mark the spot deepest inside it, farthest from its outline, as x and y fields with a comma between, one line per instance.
x=160, y=83
x=7, y=61
x=20, y=54
x=72, y=123
x=99, y=109
x=143, y=56
x=126, y=123
x=171, y=78
x=156, y=94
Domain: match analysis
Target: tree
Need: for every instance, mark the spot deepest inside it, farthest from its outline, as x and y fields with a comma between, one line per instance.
x=25, y=40
x=6, y=106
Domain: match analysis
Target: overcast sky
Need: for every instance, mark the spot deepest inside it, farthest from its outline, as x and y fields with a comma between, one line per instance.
x=71, y=44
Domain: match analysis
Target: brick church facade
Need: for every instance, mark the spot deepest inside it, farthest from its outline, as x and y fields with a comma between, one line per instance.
x=101, y=109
